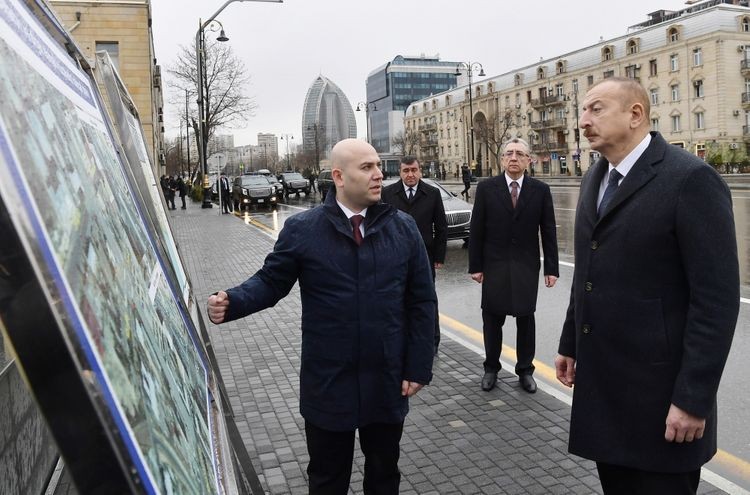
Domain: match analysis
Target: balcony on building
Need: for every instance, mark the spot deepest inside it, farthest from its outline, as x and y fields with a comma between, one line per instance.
x=549, y=100
x=549, y=124
x=746, y=132
x=560, y=148
x=746, y=99
x=745, y=66
x=428, y=127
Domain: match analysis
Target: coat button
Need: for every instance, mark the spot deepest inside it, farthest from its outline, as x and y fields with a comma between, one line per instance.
x=587, y=329
x=588, y=286
x=594, y=245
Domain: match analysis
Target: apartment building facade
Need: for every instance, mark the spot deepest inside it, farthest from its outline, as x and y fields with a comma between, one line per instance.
x=123, y=29
x=694, y=64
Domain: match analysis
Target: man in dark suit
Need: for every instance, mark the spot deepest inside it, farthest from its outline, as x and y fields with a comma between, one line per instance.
x=653, y=304
x=366, y=332
x=226, y=194
x=424, y=203
x=510, y=212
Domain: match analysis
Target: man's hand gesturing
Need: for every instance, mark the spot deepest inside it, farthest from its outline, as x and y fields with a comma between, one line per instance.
x=218, y=304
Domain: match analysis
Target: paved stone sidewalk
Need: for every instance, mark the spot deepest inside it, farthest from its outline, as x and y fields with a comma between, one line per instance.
x=457, y=439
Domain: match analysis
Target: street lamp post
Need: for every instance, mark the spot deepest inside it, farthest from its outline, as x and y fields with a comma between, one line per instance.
x=366, y=107
x=287, y=137
x=200, y=63
x=469, y=67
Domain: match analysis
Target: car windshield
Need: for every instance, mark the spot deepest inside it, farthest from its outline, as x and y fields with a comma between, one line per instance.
x=254, y=181
x=293, y=176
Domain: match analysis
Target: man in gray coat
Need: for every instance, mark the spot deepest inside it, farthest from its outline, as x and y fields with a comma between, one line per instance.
x=653, y=304
x=510, y=212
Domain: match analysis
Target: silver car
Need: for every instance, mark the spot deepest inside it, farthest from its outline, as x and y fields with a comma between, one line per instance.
x=457, y=211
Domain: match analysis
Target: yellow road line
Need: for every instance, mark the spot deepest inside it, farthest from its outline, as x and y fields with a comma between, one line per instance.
x=730, y=462
x=252, y=221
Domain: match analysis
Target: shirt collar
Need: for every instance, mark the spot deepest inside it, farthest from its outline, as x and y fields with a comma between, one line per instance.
x=509, y=180
x=349, y=213
x=627, y=163
x=406, y=188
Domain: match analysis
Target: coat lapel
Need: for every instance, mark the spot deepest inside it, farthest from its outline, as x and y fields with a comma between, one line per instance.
x=503, y=193
x=641, y=173
x=528, y=189
x=590, y=190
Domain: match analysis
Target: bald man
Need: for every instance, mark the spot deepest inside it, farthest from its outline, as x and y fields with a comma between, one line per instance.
x=653, y=304
x=368, y=318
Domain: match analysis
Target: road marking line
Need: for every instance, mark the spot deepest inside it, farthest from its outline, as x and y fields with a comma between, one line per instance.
x=468, y=338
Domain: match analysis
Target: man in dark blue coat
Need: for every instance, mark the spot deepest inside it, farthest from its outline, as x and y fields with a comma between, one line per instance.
x=653, y=304
x=368, y=317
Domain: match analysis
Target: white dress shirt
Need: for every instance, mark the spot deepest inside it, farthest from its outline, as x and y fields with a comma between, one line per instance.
x=623, y=167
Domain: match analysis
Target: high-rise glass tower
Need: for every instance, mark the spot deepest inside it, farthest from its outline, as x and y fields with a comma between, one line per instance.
x=327, y=117
x=394, y=86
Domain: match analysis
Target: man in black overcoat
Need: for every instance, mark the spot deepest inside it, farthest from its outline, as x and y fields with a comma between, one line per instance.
x=425, y=204
x=653, y=304
x=510, y=212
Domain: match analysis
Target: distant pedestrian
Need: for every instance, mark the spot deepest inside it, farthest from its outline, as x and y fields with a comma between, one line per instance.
x=367, y=321
x=182, y=190
x=225, y=191
x=466, y=178
x=444, y=173
x=313, y=178
x=654, y=301
x=171, y=189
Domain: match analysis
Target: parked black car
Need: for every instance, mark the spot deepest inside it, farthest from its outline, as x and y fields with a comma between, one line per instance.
x=252, y=190
x=457, y=211
x=325, y=183
x=294, y=183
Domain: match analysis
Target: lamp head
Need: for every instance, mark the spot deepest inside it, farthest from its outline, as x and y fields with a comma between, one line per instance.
x=481, y=72
x=458, y=71
x=222, y=36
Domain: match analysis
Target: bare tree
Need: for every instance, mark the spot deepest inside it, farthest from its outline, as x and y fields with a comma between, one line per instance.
x=225, y=79
x=495, y=135
x=405, y=142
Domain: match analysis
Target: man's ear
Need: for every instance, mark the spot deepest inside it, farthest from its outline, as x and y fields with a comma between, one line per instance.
x=637, y=115
x=337, y=176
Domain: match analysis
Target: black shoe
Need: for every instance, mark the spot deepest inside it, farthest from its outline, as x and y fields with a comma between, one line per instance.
x=488, y=380
x=184, y=207
x=527, y=383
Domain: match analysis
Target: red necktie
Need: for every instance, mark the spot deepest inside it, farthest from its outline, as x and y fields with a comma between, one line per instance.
x=356, y=221
x=514, y=193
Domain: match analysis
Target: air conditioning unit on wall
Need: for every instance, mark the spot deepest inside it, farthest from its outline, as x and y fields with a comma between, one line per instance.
x=733, y=146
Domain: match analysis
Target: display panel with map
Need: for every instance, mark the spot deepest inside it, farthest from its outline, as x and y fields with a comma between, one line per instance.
x=113, y=312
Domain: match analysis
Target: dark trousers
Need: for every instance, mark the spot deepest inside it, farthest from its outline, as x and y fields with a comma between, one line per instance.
x=183, y=202
x=493, y=342
x=226, y=203
x=437, y=312
x=332, y=452
x=620, y=480
x=467, y=186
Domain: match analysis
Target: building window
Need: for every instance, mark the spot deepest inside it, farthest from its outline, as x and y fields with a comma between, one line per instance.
x=675, y=123
x=675, y=92
x=632, y=47
x=607, y=53
x=560, y=67
x=745, y=25
x=700, y=122
x=609, y=73
x=559, y=89
x=698, y=85
x=654, y=93
x=518, y=100
x=507, y=101
x=113, y=49
x=575, y=85
x=673, y=34
x=590, y=80
x=674, y=62
x=655, y=125
x=632, y=71
x=697, y=57
x=541, y=73
x=652, y=71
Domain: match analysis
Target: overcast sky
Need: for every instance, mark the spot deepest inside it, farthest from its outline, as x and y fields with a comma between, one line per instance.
x=285, y=46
